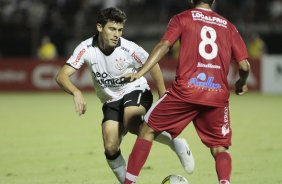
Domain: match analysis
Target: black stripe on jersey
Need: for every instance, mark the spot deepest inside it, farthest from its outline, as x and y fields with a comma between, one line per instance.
x=95, y=41
x=119, y=43
x=71, y=66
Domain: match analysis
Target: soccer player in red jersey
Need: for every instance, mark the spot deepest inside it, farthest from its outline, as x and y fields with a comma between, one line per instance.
x=200, y=92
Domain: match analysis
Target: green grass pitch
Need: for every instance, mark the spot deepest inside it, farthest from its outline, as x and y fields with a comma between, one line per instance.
x=43, y=141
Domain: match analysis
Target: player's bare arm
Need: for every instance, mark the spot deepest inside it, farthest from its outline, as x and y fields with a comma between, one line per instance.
x=157, y=77
x=156, y=55
x=241, y=86
x=63, y=79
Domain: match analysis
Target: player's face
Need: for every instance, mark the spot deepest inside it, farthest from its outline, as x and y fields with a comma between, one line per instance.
x=110, y=33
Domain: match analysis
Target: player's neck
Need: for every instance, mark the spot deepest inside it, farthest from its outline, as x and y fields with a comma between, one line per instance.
x=204, y=6
x=103, y=47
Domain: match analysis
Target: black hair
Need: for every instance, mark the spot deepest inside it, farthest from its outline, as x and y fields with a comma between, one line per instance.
x=111, y=14
x=197, y=2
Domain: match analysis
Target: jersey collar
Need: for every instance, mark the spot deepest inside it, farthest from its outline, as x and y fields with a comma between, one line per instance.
x=95, y=41
x=205, y=9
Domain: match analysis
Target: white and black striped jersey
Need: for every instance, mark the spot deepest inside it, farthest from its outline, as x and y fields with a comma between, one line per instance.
x=108, y=71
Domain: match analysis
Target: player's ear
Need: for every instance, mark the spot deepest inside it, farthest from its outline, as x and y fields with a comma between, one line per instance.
x=99, y=27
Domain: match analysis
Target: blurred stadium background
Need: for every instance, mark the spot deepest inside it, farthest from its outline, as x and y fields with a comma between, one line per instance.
x=37, y=36
x=42, y=140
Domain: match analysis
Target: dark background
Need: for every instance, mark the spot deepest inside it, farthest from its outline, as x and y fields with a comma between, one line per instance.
x=24, y=22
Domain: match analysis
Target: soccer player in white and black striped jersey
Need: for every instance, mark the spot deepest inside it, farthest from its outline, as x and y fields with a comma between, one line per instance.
x=110, y=58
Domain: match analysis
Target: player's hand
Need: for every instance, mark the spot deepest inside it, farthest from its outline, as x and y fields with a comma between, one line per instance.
x=240, y=88
x=79, y=102
x=131, y=77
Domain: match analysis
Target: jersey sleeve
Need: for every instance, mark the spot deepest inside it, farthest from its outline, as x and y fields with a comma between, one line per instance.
x=173, y=31
x=78, y=57
x=239, y=49
x=139, y=56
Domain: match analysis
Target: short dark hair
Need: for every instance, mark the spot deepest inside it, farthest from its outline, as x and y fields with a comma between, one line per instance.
x=111, y=14
x=197, y=2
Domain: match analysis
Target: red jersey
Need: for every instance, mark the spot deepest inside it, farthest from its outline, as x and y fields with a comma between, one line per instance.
x=208, y=42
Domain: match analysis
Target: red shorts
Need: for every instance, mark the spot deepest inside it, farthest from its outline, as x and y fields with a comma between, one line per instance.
x=172, y=114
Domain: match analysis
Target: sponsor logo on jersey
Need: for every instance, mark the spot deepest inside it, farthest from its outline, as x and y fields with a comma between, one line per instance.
x=209, y=65
x=78, y=57
x=105, y=82
x=203, y=81
x=125, y=49
x=136, y=58
x=197, y=15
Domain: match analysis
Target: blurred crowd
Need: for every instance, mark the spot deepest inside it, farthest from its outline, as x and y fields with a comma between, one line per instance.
x=25, y=24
